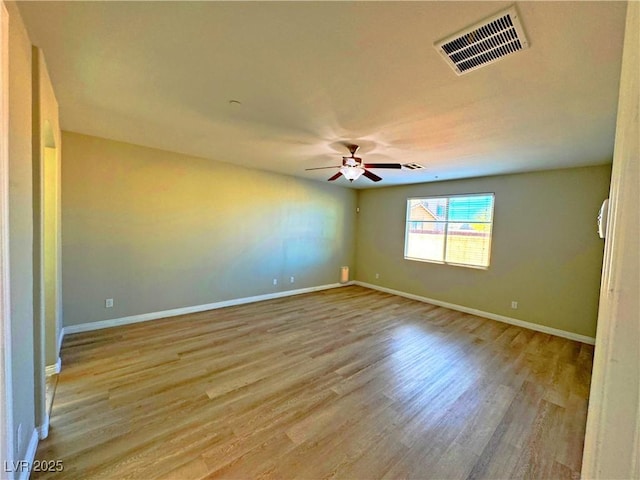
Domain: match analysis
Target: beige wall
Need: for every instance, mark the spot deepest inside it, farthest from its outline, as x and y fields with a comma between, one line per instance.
x=46, y=168
x=31, y=99
x=545, y=255
x=156, y=230
x=45, y=148
x=21, y=230
x=51, y=231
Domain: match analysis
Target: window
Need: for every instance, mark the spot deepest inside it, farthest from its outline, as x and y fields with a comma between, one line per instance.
x=454, y=229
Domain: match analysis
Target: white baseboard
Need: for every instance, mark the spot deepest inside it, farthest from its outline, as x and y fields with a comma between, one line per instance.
x=493, y=316
x=60, y=338
x=53, y=369
x=43, y=430
x=30, y=455
x=145, y=317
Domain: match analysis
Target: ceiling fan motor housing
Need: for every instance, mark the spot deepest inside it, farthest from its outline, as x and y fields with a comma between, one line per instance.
x=352, y=167
x=351, y=161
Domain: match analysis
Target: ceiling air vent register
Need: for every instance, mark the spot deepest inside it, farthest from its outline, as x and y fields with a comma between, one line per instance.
x=412, y=166
x=484, y=43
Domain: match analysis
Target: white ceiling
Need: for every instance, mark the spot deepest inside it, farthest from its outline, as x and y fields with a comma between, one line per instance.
x=313, y=75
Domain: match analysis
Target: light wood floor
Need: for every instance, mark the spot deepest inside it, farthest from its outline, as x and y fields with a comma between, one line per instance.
x=50, y=391
x=344, y=383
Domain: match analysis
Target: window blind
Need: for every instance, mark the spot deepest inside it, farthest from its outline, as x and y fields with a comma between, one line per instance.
x=452, y=229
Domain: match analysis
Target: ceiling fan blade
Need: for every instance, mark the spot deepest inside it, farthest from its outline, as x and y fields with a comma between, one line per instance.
x=383, y=165
x=371, y=176
x=322, y=168
x=336, y=176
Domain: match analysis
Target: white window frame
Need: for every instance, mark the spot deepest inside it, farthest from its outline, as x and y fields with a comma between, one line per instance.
x=446, y=229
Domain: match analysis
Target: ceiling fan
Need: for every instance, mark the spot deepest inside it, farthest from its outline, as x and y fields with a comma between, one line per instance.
x=352, y=167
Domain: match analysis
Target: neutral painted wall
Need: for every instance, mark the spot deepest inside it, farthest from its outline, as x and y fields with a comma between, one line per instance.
x=46, y=152
x=612, y=440
x=156, y=230
x=51, y=233
x=21, y=230
x=545, y=253
x=46, y=177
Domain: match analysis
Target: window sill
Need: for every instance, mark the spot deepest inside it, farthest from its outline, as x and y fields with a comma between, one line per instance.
x=474, y=267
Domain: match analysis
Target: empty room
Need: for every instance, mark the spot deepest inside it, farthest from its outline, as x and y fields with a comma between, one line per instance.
x=349, y=240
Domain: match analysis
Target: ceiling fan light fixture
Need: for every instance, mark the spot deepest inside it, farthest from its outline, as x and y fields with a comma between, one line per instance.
x=351, y=173
x=352, y=167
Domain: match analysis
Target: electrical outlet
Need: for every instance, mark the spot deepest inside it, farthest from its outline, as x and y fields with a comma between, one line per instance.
x=292, y=279
x=108, y=303
x=275, y=281
x=514, y=304
x=377, y=275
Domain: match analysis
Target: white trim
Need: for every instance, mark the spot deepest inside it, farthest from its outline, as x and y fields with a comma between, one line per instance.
x=30, y=455
x=43, y=430
x=7, y=438
x=60, y=338
x=612, y=434
x=493, y=316
x=145, y=317
x=53, y=369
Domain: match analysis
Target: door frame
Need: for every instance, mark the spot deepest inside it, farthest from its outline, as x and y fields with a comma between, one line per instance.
x=6, y=391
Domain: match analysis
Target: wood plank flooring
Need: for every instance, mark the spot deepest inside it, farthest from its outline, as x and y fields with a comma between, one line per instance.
x=344, y=383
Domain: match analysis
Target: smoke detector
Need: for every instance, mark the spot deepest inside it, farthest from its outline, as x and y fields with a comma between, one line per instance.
x=485, y=42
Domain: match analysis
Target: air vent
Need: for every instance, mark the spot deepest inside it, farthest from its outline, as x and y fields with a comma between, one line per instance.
x=484, y=43
x=412, y=166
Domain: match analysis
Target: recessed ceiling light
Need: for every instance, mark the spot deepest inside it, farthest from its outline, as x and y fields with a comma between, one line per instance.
x=235, y=102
